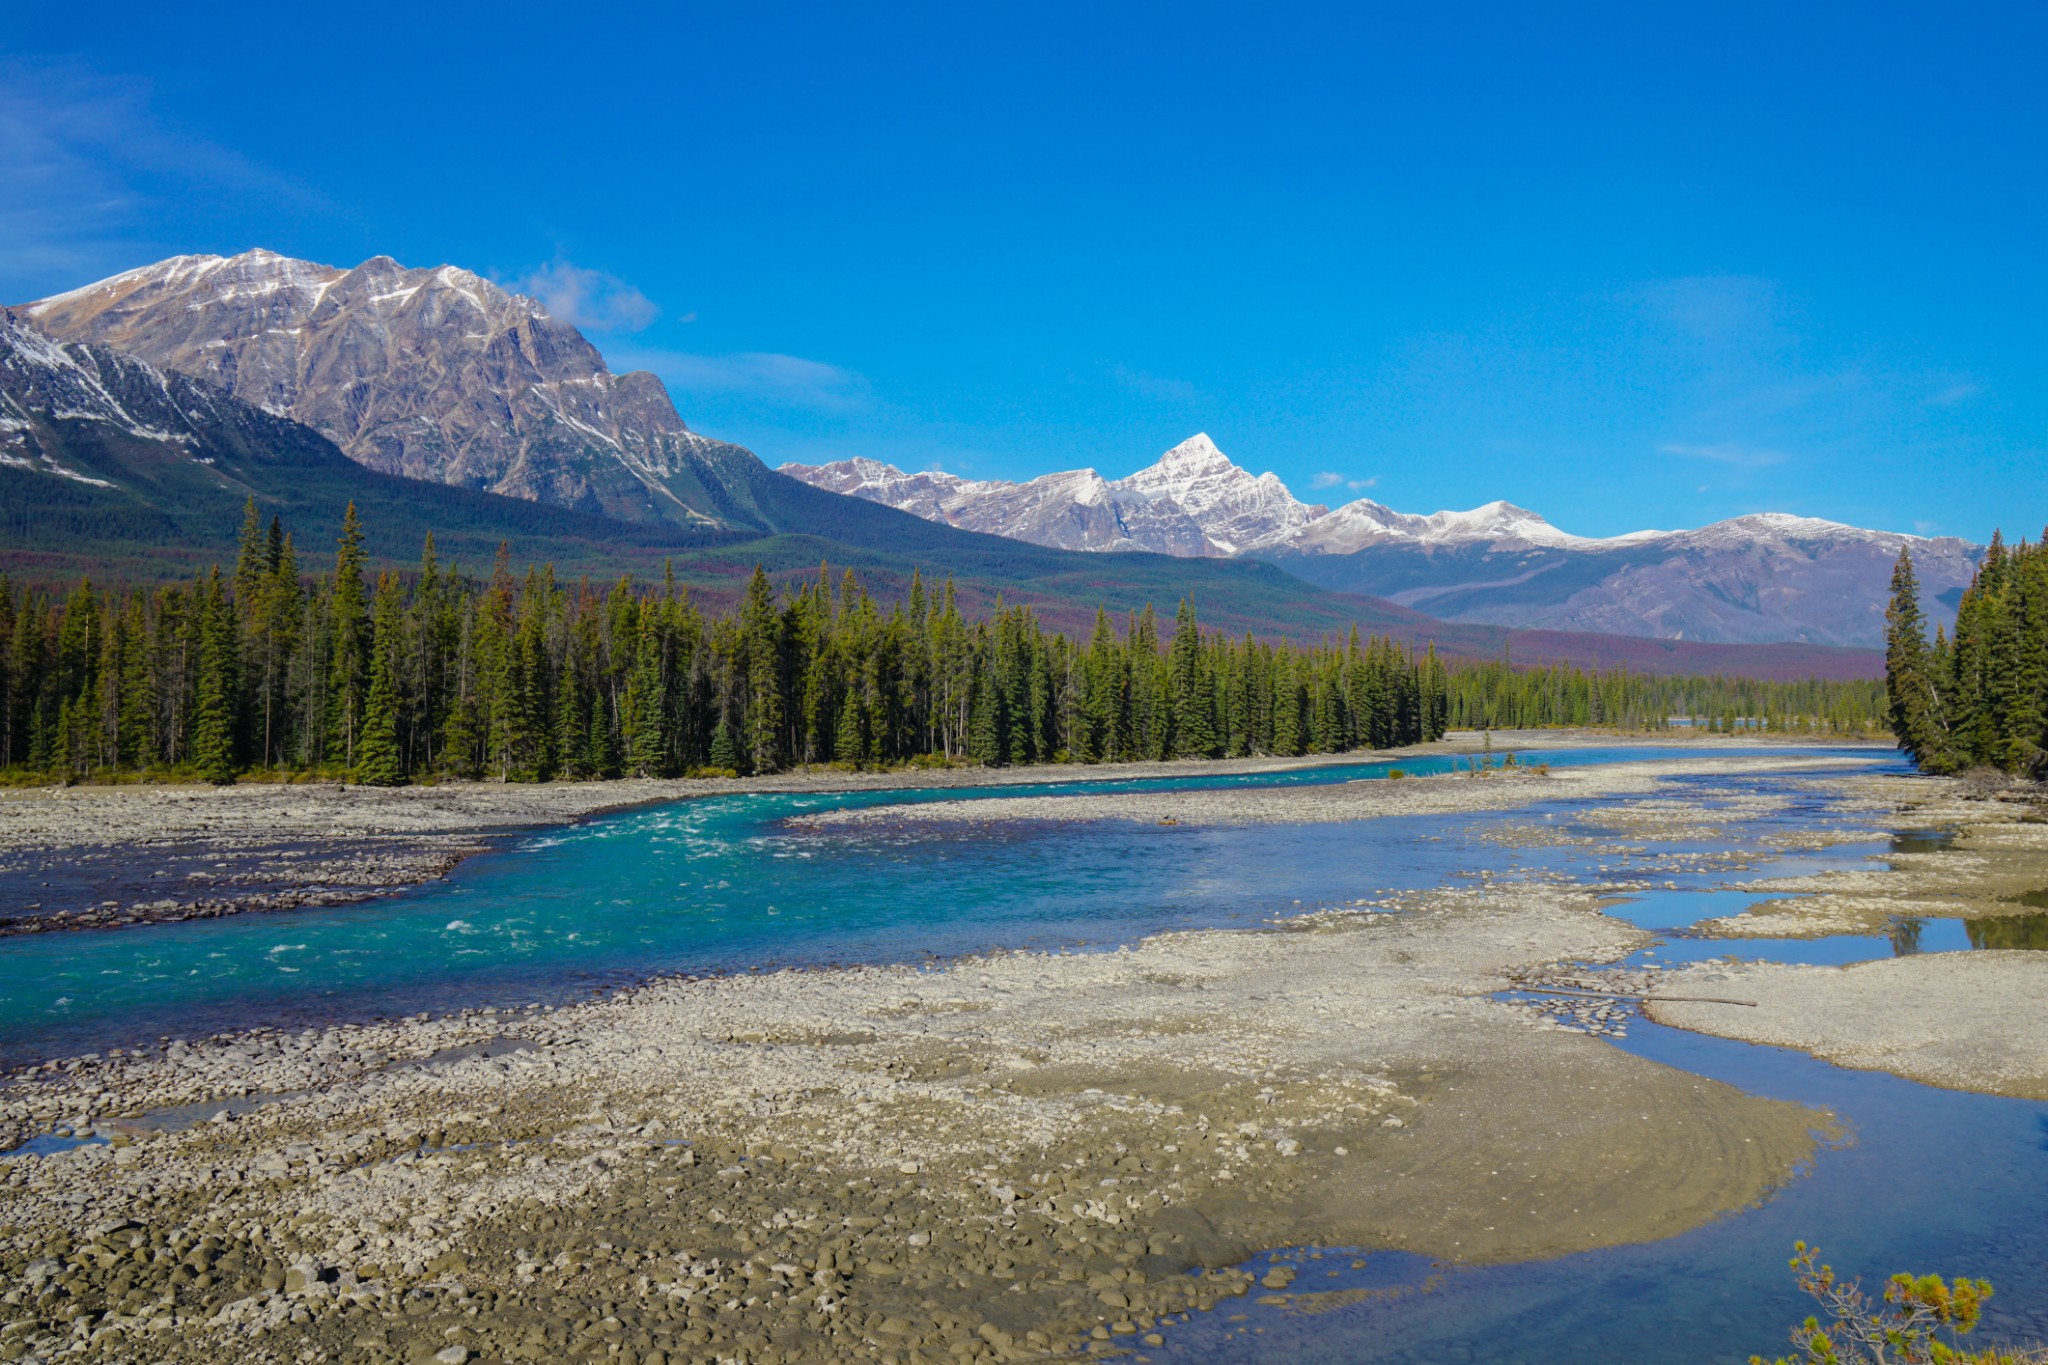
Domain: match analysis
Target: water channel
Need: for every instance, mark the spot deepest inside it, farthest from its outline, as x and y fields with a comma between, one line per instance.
x=1922, y=1179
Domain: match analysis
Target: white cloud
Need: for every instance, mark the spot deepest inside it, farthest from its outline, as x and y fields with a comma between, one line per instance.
x=1731, y=453
x=1954, y=394
x=786, y=380
x=1157, y=387
x=1328, y=479
x=87, y=164
x=590, y=299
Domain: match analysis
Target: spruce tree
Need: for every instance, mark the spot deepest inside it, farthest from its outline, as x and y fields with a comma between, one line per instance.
x=1194, y=734
x=348, y=674
x=1915, y=701
x=847, y=745
x=378, y=762
x=725, y=750
x=213, y=742
x=761, y=664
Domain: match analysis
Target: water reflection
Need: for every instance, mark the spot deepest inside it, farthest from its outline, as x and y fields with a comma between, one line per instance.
x=1905, y=935
x=2010, y=931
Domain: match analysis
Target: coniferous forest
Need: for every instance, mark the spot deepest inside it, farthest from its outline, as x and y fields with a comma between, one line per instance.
x=434, y=674
x=1977, y=696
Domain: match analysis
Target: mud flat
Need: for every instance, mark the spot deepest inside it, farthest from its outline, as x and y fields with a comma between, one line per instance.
x=1967, y=1021
x=1010, y=1157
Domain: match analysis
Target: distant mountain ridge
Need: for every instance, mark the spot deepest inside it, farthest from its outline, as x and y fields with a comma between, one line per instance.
x=430, y=373
x=1193, y=502
x=114, y=468
x=1752, y=579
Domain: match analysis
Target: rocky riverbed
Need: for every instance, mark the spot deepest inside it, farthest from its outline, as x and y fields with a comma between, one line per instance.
x=102, y=857
x=1994, y=852
x=1010, y=1156
x=1498, y=788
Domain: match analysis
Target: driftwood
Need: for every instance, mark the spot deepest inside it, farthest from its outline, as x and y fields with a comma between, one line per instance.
x=1632, y=995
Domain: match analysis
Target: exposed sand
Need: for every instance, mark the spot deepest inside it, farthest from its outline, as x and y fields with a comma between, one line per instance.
x=1023, y=1144
x=1968, y=1021
x=999, y=1159
x=2000, y=852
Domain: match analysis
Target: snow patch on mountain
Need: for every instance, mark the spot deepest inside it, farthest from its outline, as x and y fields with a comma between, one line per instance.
x=432, y=373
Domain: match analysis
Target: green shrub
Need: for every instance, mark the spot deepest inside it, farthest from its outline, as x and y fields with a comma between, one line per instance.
x=1918, y=1321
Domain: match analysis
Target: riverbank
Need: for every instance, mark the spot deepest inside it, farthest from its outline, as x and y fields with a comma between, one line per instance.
x=1965, y=1021
x=1001, y=1157
x=101, y=857
x=1995, y=838
x=1498, y=788
x=1007, y=1156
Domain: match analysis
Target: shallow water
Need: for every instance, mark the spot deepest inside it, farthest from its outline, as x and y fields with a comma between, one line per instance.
x=712, y=885
x=1926, y=1179
x=1923, y=1179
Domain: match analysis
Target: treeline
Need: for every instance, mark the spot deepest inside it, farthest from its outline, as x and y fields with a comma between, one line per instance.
x=436, y=674
x=1978, y=697
x=1496, y=696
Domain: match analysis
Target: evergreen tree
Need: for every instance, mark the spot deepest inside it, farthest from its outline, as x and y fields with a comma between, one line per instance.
x=1915, y=701
x=725, y=750
x=761, y=674
x=213, y=747
x=1194, y=733
x=349, y=673
x=377, y=754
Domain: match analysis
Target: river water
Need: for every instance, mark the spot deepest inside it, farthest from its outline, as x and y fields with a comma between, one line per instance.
x=1924, y=1178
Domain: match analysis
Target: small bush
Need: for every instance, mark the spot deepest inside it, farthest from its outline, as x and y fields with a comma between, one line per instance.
x=1918, y=1321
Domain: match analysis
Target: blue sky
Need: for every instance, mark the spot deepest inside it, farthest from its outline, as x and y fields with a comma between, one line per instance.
x=1628, y=265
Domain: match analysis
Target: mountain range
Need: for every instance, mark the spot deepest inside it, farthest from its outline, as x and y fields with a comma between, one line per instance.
x=1763, y=577
x=114, y=468
x=433, y=374
x=139, y=413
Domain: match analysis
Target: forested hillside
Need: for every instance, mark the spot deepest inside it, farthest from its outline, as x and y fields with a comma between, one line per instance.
x=394, y=677
x=526, y=678
x=1979, y=697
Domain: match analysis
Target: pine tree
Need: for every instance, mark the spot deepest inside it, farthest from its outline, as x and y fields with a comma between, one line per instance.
x=213, y=746
x=1915, y=700
x=378, y=761
x=349, y=672
x=1194, y=733
x=761, y=665
x=725, y=750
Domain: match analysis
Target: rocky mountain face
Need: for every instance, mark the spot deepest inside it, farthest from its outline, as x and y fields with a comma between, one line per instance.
x=60, y=404
x=434, y=374
x=111, y=467
x=1193, y=502
x=1749, y=580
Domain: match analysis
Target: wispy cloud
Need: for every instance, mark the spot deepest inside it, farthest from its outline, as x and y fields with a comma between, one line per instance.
x=590, y=299
x=1953, y=394
x=782, y=380
x=1730, y=453
x=86, y=162
x=1716, y=309
x=1156, y=387
x=1329, y=479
